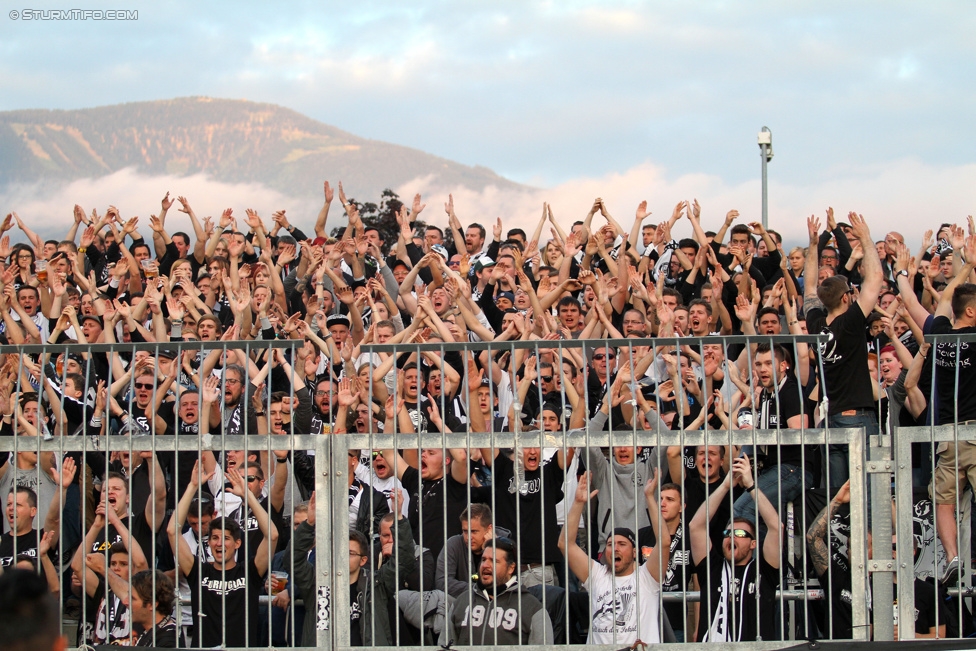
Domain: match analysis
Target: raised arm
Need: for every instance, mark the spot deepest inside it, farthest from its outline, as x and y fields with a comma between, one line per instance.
x=324, y=211
x=872, y=277
x=945, y=302
x=578, y=560
x=701, y=543
x=817, y=533
x=660, y=554
x=184, y=555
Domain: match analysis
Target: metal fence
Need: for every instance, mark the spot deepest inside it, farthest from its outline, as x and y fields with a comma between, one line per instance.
x=411, y=597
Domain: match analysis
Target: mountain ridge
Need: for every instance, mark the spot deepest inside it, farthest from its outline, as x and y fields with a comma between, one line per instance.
x=233, y=141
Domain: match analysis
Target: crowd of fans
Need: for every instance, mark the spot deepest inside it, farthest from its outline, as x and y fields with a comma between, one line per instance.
x=471, y=546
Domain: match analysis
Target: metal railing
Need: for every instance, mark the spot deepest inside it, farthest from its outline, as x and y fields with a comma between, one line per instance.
x=800, y=603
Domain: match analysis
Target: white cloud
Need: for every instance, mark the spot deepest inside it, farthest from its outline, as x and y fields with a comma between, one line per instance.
x=904, y=195
x=47, y=209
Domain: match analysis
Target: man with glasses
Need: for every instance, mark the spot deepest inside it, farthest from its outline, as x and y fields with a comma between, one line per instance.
x=738, y=586
x=602, y=367
x=498, y=610
x=368, y=625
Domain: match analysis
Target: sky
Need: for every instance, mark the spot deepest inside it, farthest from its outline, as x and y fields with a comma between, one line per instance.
x=869, y=103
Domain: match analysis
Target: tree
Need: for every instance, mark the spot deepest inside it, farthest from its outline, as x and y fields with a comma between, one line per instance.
x=382, y=217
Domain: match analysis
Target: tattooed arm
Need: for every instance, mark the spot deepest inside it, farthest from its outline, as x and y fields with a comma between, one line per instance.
x=817, y=534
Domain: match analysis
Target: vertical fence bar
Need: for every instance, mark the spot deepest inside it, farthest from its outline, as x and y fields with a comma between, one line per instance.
x=324, y=609
x=904, y=525
x=858, y=536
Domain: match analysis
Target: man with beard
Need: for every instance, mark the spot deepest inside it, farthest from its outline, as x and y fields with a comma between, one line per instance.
x=436, y=495
x=499, y=611
x=461, y=555
x=738, y=586
x=323, y=406
x=624, y=598
x=239, y=415
x=227, y=589
x=784, y=469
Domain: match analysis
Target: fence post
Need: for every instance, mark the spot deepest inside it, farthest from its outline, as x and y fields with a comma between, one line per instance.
x=882, y=567
x=856, y=544
x=905, y=530
x=338, y=499
x=325, y=607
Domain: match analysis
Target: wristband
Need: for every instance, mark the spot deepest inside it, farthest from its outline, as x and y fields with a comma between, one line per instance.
x=259, y=414
x=82, y=249
x=114, y=282
x=281, y=459
x=96, y=421
x=265, y=323
x=176, y=329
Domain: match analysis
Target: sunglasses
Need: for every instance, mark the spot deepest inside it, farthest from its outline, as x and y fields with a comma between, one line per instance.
x=738, y=533
x=142, y=385
x=251, y=478
x=601, y=357
x=546, y=378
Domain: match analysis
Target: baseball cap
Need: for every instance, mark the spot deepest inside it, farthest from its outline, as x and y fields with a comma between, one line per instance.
x=338, y=319
x=626, y=533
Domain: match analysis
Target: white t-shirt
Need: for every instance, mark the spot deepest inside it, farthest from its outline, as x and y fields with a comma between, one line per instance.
x=614, y=604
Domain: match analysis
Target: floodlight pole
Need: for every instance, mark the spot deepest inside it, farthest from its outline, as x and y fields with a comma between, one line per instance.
x=766, y=153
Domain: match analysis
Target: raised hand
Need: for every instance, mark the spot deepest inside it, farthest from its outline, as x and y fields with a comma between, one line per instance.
x=211, y=390
x=184, y=205
x=859, y=227
x=166, y=203
x=67, y=474
x=238, y=483
x=813, y=229
x=650, y=488
x=583, y=492
x=843, y=495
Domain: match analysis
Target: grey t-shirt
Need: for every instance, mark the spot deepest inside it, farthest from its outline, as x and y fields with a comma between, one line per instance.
x=34, y=479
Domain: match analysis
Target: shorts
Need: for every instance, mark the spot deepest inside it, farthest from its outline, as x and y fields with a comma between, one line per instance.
x=950, y=480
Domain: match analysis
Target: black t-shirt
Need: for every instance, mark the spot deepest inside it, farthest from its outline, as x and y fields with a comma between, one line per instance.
x=213, y=590
x=952, y=398
x=356, y=605
x=26, y=545
x=695, y=491
x=927, y=604
x=162, y=636
x=739, y=608
x=837, y=591
x=138, y=529
x=431, y=492
x=776, y=408
x=845, y=359
x=537, y=497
